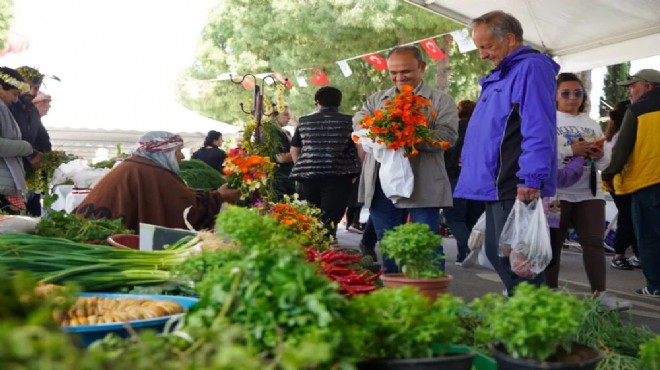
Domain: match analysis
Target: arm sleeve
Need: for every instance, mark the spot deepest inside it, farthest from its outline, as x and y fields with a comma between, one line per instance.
x=538, y=124
x=295, y=139
x=367, y=108
x=623, y=147
x=444, y=124
x=14, y=148
x=571, y=172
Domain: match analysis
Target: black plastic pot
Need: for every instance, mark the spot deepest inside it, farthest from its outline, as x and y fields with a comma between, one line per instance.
x=581, y=358
x=451, y=361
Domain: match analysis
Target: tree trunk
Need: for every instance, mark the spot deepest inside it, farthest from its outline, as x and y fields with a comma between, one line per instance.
x=585, y=76
x=443, y=69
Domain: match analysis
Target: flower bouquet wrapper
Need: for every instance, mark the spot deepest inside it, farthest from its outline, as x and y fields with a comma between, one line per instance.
x=396, y=177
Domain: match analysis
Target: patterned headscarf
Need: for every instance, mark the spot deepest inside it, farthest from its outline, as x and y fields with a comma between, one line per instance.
x=159, y=146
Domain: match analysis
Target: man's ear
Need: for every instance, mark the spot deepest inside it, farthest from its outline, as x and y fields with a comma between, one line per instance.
x=422, y=65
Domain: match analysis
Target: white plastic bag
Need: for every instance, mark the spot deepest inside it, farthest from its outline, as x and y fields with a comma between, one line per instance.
x=396, y=176
x=13, y=224
x=525, y=239
x=478, y=233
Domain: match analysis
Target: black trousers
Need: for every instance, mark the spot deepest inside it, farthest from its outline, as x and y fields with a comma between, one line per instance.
x=329, y=194
x=625, y=234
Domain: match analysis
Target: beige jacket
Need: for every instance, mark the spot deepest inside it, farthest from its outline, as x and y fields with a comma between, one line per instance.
x=432, y=188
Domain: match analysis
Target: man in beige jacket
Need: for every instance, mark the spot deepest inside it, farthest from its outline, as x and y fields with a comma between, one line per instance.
x=431, y=189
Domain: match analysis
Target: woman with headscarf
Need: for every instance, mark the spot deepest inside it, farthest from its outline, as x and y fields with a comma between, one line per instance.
x=12, y=147
x=147, y=188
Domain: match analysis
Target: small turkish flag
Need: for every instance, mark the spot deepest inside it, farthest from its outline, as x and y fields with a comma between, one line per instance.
x=319, y=77
x=432, y=49
x=376, y=60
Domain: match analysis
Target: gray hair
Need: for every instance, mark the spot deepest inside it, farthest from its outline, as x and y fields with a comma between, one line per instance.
x=410, y=49
x=500, y=23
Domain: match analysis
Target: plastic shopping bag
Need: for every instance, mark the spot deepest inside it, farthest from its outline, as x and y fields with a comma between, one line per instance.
x=396, y=176
x=525, y=239
x=477, y=235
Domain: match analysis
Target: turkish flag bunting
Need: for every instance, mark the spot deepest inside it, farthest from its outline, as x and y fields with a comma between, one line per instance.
x=376, y=60
x=432, y=49
x=319, y=77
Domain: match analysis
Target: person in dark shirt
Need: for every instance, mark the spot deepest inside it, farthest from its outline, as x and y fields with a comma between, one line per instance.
x=325, y=158
x=32, y=130
x=464, y=213
x=211, y=154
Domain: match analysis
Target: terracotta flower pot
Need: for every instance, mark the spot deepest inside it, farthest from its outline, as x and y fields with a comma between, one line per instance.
x=429, y=287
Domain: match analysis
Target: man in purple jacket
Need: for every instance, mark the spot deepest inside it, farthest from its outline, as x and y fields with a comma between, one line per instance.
x=510, y=149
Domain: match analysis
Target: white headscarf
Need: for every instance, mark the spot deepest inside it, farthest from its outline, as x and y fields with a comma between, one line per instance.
x=160, y=147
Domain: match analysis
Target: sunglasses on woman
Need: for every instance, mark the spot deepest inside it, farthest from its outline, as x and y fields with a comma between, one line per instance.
x=567, y=94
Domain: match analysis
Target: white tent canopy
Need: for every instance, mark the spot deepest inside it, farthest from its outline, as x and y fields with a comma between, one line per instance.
x=582, y=35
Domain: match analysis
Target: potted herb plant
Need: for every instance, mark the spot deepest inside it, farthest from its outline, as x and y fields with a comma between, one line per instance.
x=414, y=248
x=536, y=329
x=649, y=354
x=399, y=329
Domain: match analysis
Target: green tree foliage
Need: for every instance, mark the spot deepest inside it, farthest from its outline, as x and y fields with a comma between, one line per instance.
x=6, y=17
x=289, y=35
x=612, y=92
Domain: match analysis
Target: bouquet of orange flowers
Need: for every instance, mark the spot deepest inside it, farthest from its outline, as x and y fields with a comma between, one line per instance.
x=303, y=219
x=246, y=173
x=401, y=124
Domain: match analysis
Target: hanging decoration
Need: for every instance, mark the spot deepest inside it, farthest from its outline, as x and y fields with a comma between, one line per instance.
x=432, y=49
x=319, y=77
x=376, y=60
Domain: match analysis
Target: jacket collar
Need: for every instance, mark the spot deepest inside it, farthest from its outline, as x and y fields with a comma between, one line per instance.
x=329, y=109
x=507, y=63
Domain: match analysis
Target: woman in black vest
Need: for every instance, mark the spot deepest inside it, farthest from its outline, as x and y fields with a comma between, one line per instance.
x=325, y=157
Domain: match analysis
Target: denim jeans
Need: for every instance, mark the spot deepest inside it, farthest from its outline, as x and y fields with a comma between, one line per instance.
x=386, y=216
x=496, y=215
x=461, y=218
x=645, y=214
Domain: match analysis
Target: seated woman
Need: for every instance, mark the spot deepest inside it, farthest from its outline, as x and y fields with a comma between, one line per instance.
x=146, y=188
x=12, y=148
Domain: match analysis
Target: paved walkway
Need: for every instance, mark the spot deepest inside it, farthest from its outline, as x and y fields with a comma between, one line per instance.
x=473, y=282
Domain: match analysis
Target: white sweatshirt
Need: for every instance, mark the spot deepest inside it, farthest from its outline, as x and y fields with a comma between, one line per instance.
x=570, y=129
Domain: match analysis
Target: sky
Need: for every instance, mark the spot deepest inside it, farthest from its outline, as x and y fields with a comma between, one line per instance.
x=118, y=60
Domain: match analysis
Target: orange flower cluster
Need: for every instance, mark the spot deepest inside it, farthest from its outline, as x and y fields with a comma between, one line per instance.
x=402, y=123
x=247, y=173
x=303, y=219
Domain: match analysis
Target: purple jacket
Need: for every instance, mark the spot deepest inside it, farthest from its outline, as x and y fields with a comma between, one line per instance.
x=512, y=137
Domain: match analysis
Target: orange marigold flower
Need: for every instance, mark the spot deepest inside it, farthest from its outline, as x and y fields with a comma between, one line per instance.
x=444, y=145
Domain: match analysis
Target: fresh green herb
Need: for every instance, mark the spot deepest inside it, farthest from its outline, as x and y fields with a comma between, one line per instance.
x=649, y=354
x=61, y=224
x=535, y=322
x=402, y=324
x=199, y=175
x=413, y=246
x=604, y=329
x=267, y=287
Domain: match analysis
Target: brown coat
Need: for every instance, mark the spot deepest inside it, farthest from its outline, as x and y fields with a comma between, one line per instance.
x=139, y=190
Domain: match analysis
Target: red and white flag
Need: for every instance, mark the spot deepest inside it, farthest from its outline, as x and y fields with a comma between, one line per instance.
x=376, y=60
x=432, y=49
x=319, y=77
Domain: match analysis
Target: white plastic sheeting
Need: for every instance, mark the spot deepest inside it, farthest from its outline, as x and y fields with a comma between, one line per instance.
x=580, y=34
